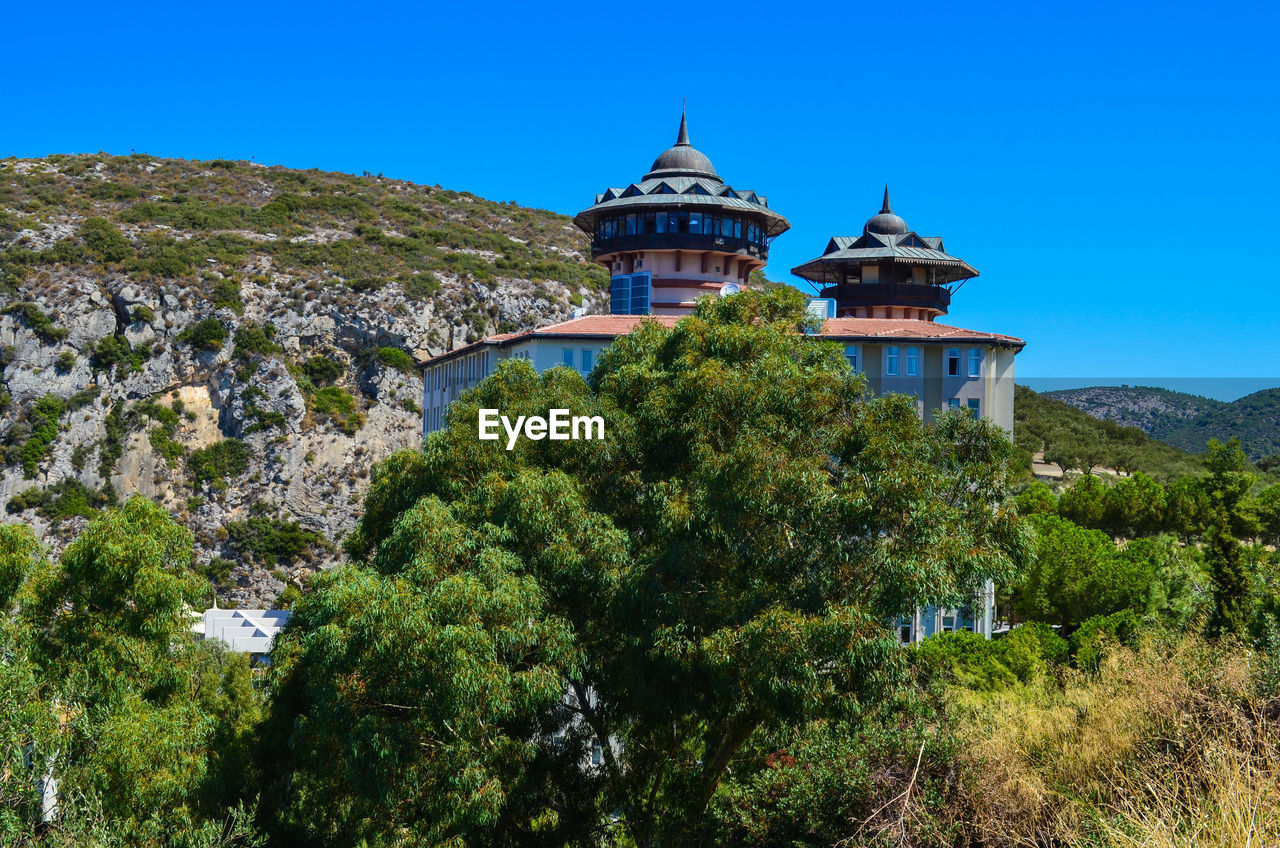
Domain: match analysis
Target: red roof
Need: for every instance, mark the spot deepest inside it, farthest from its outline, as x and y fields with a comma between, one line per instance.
x=611, y=326
x=910, y=328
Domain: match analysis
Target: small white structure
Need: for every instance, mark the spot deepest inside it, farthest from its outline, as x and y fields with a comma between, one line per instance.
x=244, y=631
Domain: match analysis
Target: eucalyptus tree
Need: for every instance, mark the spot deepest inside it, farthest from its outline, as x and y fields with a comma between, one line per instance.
x=572, y=641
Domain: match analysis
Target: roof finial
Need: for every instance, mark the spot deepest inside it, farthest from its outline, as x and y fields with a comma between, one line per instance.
x=682, y=138
x=886, y=208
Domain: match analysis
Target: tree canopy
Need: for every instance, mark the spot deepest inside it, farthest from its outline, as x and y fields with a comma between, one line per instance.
x=531, y=640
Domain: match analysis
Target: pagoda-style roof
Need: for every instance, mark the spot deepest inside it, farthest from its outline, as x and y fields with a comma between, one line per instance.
x=682, y=177
x=885, y=239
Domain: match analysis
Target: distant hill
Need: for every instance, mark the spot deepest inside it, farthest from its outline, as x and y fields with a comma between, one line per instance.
x=1157, y=412
x=1185, y=421
x=1046, y=422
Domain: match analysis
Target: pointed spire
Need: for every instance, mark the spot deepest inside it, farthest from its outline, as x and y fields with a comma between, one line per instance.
x=682, y=138
x=885, y=207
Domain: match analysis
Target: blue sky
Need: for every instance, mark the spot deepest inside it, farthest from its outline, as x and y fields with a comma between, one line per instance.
x=1111, y=170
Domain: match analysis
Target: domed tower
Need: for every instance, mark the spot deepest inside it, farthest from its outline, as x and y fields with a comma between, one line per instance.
x=679, y=233
x=888, y=272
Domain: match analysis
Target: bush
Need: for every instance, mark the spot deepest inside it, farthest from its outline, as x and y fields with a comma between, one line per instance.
x=103, y=239
x=337, y=404
x=270, y=540
x=1090, y=642
x=394, y=357
x=208, y=334
x=44, y=429
x=66, y=361
x=112, y=351
x=218, y=570
x=143, y=314
x=42, y=325
x=220, y=460
x=252, y=339
x=64, y=499
x=322, y=370
x=226, y=294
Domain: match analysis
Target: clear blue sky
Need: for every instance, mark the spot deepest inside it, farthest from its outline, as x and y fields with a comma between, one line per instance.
x=1111, y=169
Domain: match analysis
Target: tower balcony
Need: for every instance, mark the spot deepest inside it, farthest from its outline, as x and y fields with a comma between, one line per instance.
x=856, y=295
x=693, y=242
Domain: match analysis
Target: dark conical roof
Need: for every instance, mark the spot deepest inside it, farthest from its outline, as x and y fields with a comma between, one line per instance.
x=683, y=159
x=885, y=223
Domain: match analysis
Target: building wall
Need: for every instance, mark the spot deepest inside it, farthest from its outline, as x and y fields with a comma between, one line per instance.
x=442, y=383
x=933, y=387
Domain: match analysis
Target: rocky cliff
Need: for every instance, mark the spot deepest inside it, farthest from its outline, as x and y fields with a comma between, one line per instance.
x=240, y=342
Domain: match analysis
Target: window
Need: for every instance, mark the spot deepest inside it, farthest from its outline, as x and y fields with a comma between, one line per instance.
x=975, y=361
x=851, y=354
x=588, y=361
x=948, y=623
x=975, y=407
x=567, y=355
x=904, y=633
x=597, y=754
x=953, y=362
x=631, y=225
x=954, y=403
x=891, y=360
x=913, y=361
x=695, y=222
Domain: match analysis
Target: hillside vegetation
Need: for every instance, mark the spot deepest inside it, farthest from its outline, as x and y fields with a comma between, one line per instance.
x=1076, y=440
x=1186, y=421
x=240, y=342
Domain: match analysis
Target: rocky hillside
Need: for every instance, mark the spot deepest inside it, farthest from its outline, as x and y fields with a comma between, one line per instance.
x=240, y=342
x=1155, y=411
x=1185, y=421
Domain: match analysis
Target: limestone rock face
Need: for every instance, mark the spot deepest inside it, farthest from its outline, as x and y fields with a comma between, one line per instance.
x=143, y=408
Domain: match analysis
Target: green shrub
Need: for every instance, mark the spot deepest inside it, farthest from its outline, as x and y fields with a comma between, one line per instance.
x=162, y=436
x=143, y=314
x=103, y=239
x=218, y=461
x=1089, y=642
x=218, y=570
x=252, y=339
x=322, y=370
x=111, y=448
x=44, y=429
x=421, y=286
x=394, y=357
x=112, y=351
x=337, y=404
x=66, y=361
x=270, y=540
x=226, y=294
x=64, y=499
x=42, y=325
x=208, y=334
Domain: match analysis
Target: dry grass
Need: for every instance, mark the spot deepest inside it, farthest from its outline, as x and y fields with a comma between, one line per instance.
x=1161, y=747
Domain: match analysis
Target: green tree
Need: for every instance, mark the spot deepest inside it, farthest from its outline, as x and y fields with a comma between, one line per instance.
x=154, y=726
x=1186, y=508
x=1036, y=499
x=1085, y=503
x=1232, y=582
x=1135, y=506
x=1057, y=586
x=723, y=561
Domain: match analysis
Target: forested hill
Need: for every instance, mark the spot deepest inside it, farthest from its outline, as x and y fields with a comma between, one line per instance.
x=1074, y=439
x=240, y=342
x=1186, y=421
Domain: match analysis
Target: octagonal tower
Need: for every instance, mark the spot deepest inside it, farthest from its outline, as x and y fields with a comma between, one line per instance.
x=678, y=233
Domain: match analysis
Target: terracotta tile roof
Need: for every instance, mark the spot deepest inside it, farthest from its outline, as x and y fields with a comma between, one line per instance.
x=910, y=328
x=611, y=326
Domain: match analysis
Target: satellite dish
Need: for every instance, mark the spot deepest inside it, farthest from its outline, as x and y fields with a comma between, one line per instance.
x=729, y=288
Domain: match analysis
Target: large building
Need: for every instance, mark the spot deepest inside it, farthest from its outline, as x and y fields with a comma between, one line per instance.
x=681, y=233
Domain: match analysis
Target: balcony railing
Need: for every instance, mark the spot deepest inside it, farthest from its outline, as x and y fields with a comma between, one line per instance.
x=678, y=241
x=889, y=294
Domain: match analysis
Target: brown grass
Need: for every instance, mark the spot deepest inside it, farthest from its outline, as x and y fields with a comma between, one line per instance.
x=1164, y=746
